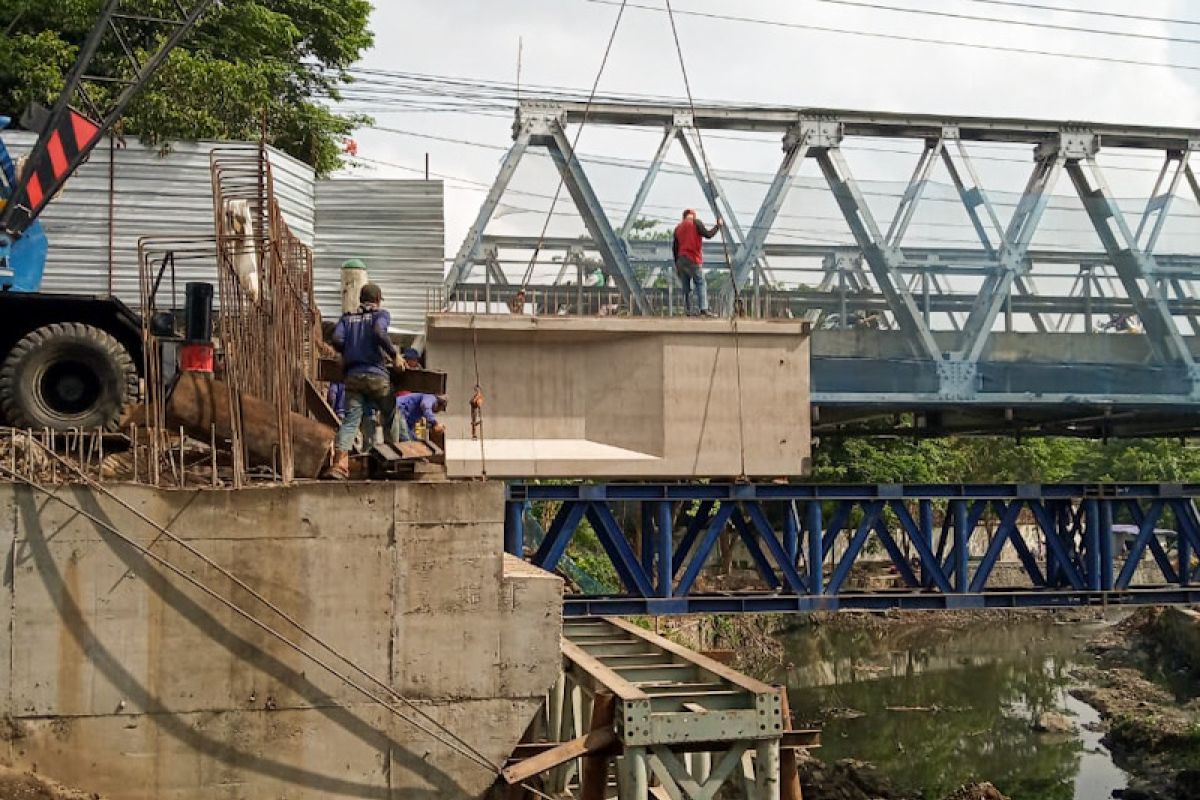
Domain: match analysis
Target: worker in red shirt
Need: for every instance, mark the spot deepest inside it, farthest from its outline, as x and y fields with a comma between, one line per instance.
x=688, y=250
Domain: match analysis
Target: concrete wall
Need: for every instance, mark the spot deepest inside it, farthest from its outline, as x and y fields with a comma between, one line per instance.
x=124, y=680
x=624, y=397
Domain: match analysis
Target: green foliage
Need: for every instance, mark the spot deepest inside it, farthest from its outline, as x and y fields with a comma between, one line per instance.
x=587, y=552
x=1004, y=460
x=247, y=60
x=648, y=230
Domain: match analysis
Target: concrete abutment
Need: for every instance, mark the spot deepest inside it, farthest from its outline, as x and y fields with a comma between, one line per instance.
x=126, y=680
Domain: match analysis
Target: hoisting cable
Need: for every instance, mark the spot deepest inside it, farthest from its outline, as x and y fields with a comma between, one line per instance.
x=737, y=302
x=477, y=400
x=440, y=732
x=570, y=156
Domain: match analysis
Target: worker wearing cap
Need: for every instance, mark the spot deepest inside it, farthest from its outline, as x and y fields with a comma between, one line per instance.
x=412, y=360
x=416, y=407
x=361, y=336
x=687, y=246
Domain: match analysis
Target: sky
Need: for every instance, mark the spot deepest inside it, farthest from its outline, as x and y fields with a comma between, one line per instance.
x=561, y=43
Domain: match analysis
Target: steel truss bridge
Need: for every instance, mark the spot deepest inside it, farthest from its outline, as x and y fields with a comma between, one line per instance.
x=962, y=337
x=1067, y=545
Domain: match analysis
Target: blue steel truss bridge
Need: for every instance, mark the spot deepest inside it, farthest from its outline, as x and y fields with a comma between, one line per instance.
x=1014, y=276
x=808, y=547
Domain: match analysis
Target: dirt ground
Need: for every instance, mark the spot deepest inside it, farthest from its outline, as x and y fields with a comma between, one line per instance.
x=1150, y=707
x=29, y=786
x=856, y=780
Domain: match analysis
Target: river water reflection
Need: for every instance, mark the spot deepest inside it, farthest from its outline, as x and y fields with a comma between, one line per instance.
x=934, y=709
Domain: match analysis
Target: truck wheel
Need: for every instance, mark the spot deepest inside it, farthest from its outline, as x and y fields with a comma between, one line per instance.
x=67, y=375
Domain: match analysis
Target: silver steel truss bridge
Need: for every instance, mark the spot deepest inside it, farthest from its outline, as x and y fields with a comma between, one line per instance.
x=1013, y=330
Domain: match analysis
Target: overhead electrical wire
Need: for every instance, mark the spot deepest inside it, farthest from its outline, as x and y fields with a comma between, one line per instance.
x=570, y=155
x=899, y=37
x=1090, y=12
x=1028, y=23
x=743, y=178
x=617, y=161
x=480, y=97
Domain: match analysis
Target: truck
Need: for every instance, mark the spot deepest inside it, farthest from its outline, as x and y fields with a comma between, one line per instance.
x=74, y=361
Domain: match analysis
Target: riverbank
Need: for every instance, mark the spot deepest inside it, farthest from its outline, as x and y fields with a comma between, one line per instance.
x=928, y=705
x=1146, y=686
x=849, y=779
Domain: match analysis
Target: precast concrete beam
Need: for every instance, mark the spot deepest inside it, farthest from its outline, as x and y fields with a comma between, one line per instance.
x=591, y=397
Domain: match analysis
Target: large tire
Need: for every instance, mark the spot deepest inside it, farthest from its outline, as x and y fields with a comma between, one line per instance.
x=67, y=375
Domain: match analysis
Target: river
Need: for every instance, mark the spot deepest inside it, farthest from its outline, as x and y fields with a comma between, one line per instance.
x=934, y=708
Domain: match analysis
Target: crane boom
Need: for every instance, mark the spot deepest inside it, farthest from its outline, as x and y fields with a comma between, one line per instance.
x=80, y=116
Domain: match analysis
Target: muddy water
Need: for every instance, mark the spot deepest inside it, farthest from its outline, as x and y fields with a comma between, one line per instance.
x=934, y=709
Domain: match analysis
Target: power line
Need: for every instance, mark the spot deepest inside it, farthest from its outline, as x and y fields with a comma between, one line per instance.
x=909, y=38
x=745, y=178
x=562, y=178
x=1008, y=21
x=480, y=91
x=1091, y=12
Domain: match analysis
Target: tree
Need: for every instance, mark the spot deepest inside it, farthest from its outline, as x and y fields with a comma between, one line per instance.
x=246, y=61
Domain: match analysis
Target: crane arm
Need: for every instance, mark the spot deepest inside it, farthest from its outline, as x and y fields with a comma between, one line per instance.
x=80, y=117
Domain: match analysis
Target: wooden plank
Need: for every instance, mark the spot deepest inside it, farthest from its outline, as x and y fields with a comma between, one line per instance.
x=593, y=781
x=803, y=739
x=789, y=775
x=592, y=742
x=318, y=407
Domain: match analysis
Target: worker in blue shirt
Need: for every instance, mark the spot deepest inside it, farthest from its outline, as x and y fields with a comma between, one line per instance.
x=415, y=407
x=361, y=336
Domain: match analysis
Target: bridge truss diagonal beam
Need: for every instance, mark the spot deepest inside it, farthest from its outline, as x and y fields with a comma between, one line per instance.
x=945, y=544
x=884, y=261
x=1011, y=258
x=612, y=249
x=464, y=261
x=1135, y=264
x=795, y=149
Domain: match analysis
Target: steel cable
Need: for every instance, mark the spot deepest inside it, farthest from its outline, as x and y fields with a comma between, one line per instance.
x=570, y=156
x=733, y=312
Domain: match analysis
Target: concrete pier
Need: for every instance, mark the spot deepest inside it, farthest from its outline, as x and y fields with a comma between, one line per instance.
x=124, y=680
x=593, y=397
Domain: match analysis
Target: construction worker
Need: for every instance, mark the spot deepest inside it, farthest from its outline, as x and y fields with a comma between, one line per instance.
x=688, y=250
x=361, y=336
x=412, y=358
x=419, y=406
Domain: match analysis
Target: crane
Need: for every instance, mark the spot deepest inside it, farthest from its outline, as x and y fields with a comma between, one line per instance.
x=66, y=360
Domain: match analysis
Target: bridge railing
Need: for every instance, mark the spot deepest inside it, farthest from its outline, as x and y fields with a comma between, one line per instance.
x=1066, y=544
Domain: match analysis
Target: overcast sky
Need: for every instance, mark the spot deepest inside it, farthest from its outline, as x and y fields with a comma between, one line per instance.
x=563, y=41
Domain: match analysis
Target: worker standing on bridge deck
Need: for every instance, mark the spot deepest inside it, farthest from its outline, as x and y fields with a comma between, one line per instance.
x=361, y=336
x=688, y=249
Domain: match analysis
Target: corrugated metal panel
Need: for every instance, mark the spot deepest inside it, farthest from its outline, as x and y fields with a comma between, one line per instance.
x=156, y=195
x=397, y=227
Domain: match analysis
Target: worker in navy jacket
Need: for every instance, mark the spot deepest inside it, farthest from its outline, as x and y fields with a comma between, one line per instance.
x=417, y=406
x=361, y=336
x=688, y=250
